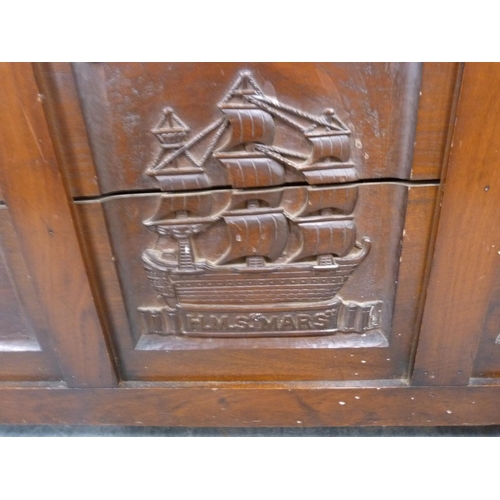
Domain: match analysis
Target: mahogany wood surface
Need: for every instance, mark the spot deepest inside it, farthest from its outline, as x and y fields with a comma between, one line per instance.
x=487, y=359
x=122, y=102
x=435, y=118
x=120, y=99
x=43, y=221
x=253, y=405
x=25, y=345
x=64, y=117
x=466, y=250
x=119, y=273
x=437, y=92
x=17, y=330
x=72, y=251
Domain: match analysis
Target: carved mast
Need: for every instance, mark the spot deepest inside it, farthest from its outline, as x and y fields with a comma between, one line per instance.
x=266, y=228
x=182, y=216
x=176, y=168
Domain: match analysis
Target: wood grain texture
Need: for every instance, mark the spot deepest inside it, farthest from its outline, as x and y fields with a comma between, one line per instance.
x=123, y=102
x=35, y=194
x=17, y=330
x=466, y=251
x=25, y=366
x=228, y=359
x=25, y=347
x=87, y=278
x=487, y=359
x=412, y=277
x=64, y=116
x=253, y=405
x=436, y=101
x=438, y=88
x=436, y=113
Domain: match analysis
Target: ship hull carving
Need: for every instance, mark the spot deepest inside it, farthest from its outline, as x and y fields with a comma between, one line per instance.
x=237, y=285
x=287, y=257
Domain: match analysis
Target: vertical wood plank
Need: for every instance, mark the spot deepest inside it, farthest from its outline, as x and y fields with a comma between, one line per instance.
x=436, y=111
x=468, y=237
x=66, y=126
x=42, y=215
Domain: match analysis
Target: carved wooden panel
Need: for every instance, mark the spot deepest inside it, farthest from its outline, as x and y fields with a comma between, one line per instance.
x=438, y=90
x=122, y=104
x=260, y=244
x=269, y=260
x=234, y=290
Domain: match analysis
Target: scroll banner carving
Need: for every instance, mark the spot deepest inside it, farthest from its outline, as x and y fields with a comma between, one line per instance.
x=270, y=322
x=287, y=251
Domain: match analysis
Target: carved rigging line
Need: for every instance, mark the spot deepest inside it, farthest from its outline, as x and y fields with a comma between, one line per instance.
x=154, y=170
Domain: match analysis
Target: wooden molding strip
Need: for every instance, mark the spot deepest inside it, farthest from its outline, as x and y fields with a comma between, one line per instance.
x=468, y=237
x=253, y=405
x=41, y=211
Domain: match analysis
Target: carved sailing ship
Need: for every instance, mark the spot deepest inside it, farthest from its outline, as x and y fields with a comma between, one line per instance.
x=289, y=250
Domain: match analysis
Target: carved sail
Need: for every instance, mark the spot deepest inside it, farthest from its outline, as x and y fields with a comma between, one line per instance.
x=253, y=171
x=317, y=174
x=256, y=234
x=189, y=207
x=265, y=197
x=304, y=201
x=336, y=147
x=328, y=160
x=326, y=237
x=248, y=124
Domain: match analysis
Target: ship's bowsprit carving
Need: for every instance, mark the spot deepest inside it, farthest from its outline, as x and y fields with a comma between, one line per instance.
x=286, y=250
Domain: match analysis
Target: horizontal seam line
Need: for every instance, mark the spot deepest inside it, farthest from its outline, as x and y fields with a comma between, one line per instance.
x=145, y=192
